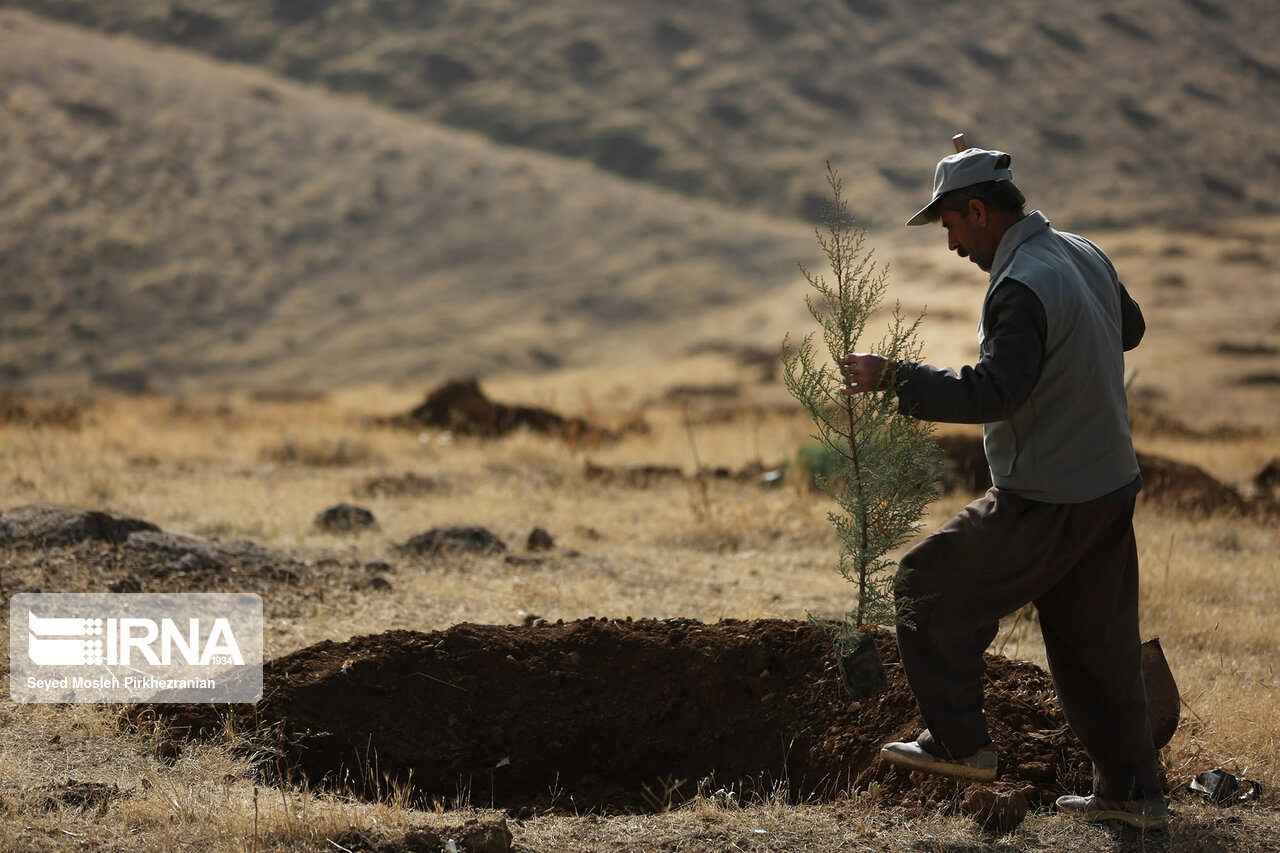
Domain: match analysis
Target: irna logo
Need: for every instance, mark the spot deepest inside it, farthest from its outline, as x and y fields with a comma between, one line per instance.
x=135, y=647
x=62, y=641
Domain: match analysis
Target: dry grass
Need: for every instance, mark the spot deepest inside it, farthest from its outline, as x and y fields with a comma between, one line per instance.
x=210, y=465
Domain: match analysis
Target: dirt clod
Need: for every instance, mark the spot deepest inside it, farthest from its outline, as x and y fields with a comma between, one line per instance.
x=345, y=518
x=998, y=810
x=470, y=538
x=539, y=540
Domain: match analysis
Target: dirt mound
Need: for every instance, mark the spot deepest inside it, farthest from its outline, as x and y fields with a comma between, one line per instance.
x=1165, y=483
x=51, y=526
x=1186, y=488
x=461, y=407
x=76, y=550
x=469, y=538
x=621, y=715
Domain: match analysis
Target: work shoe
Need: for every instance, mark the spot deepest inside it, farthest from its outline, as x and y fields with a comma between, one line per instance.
x=910, y=755
x=1144, y=814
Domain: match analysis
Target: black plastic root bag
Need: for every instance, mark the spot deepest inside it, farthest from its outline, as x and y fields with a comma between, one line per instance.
x=1221, y=787
x=861, y=670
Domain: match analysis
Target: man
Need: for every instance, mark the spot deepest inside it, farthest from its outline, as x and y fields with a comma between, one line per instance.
x=1056, y=529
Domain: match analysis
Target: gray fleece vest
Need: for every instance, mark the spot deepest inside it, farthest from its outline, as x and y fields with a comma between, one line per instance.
x=1069, y=443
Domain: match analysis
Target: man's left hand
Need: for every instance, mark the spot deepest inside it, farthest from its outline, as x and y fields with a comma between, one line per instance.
x=863, y=372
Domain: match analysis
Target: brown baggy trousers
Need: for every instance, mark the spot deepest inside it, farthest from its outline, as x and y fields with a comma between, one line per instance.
x=1079, y=564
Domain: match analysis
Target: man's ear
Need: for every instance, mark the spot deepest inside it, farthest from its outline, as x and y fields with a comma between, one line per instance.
x=977, y=212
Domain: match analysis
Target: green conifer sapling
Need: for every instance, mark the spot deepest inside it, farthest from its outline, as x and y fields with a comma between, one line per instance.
x=884, y=464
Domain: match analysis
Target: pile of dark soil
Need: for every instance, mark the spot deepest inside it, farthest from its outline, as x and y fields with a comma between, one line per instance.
x=462, y=408
x=621, y=715
x=65, y=549
x=1166, y=483
x=1185, y=488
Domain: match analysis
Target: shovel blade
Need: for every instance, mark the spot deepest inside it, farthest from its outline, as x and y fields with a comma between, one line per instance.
x=1164, y=706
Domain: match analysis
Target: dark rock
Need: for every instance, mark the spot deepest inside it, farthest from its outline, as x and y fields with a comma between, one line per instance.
x=540, y=540
x=466, y=538
x=375, y=566
x=51, y=527
x=345, y=518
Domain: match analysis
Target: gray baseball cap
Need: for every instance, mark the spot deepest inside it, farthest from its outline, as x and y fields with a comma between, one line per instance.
x=969, y=167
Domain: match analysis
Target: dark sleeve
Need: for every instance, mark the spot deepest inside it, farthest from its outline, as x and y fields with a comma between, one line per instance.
x=1132, y=325
x=1001, y=381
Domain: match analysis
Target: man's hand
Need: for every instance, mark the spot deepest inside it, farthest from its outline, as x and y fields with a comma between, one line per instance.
x=865, y=372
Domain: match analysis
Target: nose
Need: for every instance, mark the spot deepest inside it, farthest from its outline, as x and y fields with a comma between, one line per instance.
x=952, y=243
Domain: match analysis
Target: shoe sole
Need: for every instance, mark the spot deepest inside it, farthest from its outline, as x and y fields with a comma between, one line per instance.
x=1135, y=820
x=941, y=767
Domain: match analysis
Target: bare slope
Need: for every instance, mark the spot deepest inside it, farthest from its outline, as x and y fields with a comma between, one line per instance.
x=164, y=217
x=1132, y=109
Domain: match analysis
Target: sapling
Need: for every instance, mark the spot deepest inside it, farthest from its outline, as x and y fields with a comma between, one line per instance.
x=884, y=465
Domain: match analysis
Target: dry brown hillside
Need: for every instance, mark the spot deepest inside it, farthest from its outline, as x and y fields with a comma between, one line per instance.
x=177, y=222
x=167, y=219
x=1131, y=110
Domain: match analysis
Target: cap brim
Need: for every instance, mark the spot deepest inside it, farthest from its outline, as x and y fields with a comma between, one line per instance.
x=926, y=215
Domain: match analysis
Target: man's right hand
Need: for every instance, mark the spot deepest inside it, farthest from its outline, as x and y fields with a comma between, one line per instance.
x=864, y=372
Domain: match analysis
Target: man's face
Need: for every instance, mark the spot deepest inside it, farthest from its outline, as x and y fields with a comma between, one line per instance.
x=969, y=235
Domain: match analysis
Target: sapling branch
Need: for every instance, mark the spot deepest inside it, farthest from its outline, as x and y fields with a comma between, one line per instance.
x=882, y=464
